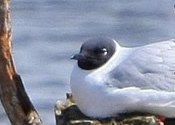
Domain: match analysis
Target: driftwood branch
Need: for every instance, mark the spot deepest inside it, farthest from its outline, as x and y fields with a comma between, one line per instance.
x=12, y=93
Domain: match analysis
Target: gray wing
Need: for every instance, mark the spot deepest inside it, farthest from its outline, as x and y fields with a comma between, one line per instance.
x=148, y=67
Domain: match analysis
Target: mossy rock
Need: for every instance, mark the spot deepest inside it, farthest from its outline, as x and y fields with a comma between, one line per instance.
x=67, y=113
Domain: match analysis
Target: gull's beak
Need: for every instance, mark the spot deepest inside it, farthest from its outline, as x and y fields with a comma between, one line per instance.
x=78, y=56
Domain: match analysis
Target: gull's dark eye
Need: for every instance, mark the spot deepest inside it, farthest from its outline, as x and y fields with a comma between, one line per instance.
x=105, y=52
x=101, y=51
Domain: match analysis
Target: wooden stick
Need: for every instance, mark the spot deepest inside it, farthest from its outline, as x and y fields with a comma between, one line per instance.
x=12, y=93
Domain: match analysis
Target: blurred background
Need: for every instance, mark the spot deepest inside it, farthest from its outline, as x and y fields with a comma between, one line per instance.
x=47, y=32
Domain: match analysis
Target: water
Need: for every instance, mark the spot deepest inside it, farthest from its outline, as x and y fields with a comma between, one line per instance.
x=46, y=33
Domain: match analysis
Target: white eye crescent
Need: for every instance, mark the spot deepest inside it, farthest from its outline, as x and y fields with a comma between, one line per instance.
x=105, y=52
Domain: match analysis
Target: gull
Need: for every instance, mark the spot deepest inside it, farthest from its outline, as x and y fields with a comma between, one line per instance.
x=109, y=79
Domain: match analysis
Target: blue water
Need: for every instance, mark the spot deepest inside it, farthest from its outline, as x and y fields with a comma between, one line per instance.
x=47, y=32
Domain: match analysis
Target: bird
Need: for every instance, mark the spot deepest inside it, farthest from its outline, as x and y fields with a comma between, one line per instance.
x=109, y=79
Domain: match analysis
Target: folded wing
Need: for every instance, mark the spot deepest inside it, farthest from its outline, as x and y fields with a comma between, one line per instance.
x=147, y=67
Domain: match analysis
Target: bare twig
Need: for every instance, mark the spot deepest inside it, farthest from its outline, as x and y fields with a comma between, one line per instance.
x=12, y=93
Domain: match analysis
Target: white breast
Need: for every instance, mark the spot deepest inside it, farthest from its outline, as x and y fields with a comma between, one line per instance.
x=90, y=94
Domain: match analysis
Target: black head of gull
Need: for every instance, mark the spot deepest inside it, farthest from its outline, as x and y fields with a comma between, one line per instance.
x=95, y=52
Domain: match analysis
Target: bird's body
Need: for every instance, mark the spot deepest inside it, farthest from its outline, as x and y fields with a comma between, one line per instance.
x=129, y=80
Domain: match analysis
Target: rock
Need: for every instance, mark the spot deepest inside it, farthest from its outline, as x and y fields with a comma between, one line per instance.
x=67, y=113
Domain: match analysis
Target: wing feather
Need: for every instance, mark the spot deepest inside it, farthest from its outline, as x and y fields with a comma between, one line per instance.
x=148, y=67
